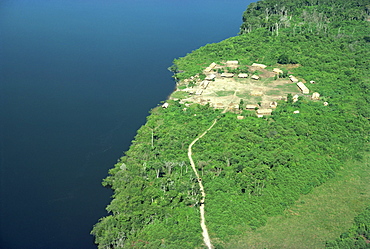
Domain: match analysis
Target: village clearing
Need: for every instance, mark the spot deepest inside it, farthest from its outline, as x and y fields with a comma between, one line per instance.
x=226, y=92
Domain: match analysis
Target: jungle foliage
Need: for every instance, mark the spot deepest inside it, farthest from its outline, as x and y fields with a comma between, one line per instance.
x=251, y=168
x=357, y=237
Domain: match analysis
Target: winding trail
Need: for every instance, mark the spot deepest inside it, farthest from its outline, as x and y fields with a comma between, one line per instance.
x=206, y=238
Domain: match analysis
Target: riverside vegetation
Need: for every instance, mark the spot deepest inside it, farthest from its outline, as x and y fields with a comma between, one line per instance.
x=254, y=168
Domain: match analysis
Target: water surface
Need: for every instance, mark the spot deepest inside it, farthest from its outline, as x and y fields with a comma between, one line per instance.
x=77, y=79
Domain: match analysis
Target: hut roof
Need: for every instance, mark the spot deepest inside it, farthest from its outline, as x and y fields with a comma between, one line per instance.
x=210, y=67
x=264, y=111
x=199, y=92
x=273, y=104
x=227, y=75
x=259, y=65
x=243, y=75
x=255, y=77
x=277, y=70
x=293, y=79
x=316, y=96
x=210, y=77
x=303, y=88
x=250, y=106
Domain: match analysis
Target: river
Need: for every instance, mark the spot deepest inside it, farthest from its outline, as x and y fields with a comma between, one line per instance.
x=77, y=79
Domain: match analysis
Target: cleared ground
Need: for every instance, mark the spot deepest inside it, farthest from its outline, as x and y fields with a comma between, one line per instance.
x=223, y=92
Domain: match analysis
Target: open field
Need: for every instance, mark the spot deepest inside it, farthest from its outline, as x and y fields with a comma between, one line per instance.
x=317, y=217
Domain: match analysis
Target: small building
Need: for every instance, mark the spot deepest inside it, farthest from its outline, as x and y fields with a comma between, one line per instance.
x=204, y=84
x=251, y=107
x=259, y=65
x=295, y=98
x=296, y=112
x=312, y=82
x=240, y=117
x=264, y=111
x=293, y=79
x=227, y=75
x=210, y=67
x=303, y=88
x=326, y=103
x=277, y=70
x=232, y=64
x=199, y=92
x=255, y=77
x=273, y=104
x=210, y=77
x=233, y=105
x=315, y=96
x=243, y=75
x=165, y=105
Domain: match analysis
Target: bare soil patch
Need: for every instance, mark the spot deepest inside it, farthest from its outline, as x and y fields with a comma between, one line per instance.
x=227, y=92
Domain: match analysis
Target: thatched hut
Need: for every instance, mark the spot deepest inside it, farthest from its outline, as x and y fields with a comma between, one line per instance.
x=303, y=88
x=293, y=79
x=273, y=104
x=277, y=70
x=210, y=77
x=264, y=111
x=259, y=65
x=210, y=67
x=199, y=92
x=243, y=75
x=227, y=75
x=315, y=96
x=251, y=107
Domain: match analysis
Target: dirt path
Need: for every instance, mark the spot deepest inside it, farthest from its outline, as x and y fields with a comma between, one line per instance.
x=206, y=238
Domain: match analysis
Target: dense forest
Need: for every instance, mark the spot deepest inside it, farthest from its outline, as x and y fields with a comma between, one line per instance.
x=252, y=168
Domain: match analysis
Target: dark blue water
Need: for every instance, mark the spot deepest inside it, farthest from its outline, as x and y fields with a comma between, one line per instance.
x=77, y=79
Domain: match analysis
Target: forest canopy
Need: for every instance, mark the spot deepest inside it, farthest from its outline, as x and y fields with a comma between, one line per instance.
x=252, y=168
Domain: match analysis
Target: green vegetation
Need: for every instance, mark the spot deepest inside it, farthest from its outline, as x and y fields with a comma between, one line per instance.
x=322, y=214
x=252, y=169
x=357, y=237
x=224, y=93
x=180, y=95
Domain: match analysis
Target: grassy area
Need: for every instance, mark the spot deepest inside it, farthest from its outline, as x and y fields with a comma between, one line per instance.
x=274, y=92
x=317, y=217
x=180, y=95
x=291, y=87
x=224, y=93
x=244, y=95
x=267, y=81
